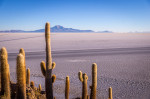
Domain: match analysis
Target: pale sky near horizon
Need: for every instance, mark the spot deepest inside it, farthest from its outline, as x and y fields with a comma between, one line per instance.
x=97, y=15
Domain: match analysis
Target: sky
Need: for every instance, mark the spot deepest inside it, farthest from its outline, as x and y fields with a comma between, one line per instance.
x=97, y=15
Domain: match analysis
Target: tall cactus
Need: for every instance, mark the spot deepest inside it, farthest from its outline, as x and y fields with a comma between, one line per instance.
x=21, y=78
x=47, y=70
x=5, y=75
x=28, y=77
x=94, y=81
x=67, y=87
x=110, y=93
x=83, y=78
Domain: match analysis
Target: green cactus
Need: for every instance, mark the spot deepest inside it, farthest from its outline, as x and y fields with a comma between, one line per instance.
x=5, y=75
x=28, y=77
x=32, y=85
x=110, y=93
x=67, y=87
x=21, y=78
x=94, y=81
x=83, y=78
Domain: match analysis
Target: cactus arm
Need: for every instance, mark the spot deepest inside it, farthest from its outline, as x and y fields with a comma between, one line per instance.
x=80, y=76
x=53, y=65
x=43, y=68
x=53, y=78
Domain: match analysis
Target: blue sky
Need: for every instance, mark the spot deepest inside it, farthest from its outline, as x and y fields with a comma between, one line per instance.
x=97, y=15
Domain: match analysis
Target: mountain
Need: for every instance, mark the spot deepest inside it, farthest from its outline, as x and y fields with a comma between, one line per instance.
x=59, y=28
x=105, y=31
x=56, y=28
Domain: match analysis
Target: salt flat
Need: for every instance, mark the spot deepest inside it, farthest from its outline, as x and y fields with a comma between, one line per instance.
x=123, y=61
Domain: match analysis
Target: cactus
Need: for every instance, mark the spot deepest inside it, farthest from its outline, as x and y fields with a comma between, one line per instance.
x=110, y=93
x=83, y=78
x=28, y=77
x=40, y=88
x=94, y=81
x=5, y=75
x=47, y=70
x=67, y=87
x=21, y=78
x=32, y=84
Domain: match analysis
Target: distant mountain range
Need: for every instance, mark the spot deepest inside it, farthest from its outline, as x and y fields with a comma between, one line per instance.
x=56, y=28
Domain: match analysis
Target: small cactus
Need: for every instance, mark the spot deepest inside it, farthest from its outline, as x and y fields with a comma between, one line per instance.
x=21, y=78
x=67, y=87
x=94, y=81
x=28, y=77
x=32, y=84
x=40, y=88
x=83, y=78
x=110, y=93
x=5, y=75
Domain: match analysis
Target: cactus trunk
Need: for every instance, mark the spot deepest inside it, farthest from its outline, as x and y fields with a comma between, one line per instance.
x=21, y=77
x=5, y=74
x=94, y=81
x=48, y=80
x=67, y=88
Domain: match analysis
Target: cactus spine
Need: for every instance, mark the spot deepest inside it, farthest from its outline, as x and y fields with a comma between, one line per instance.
x=21, y=78
x=28, y=77
x=83, y=78
x=5, y=75
x=67, y=87
x=110, y=93
x=94, y=81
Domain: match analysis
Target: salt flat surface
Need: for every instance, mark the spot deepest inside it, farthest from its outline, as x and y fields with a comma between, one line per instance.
x=123, y=61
